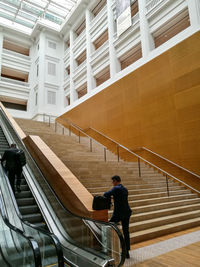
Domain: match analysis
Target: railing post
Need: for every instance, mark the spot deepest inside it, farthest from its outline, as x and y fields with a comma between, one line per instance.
x=63, y=130
x=43, y=117
x=69, y=130
x=55, y=126
x=167, y=182
x=49, y=120
x=118, y=153
x=139, y=168
x=79, y=137
x=90, y=144
x=105, y=154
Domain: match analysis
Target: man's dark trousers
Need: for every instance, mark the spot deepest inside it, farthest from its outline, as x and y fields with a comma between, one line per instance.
x=125, y=227
x=12, y=176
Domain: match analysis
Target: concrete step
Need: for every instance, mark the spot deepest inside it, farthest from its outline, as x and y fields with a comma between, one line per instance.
x=154, y=232
x=166, y=205
x=163, y=212
x=143, y=225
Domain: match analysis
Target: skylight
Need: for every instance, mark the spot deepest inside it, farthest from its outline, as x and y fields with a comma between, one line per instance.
x=26, y=13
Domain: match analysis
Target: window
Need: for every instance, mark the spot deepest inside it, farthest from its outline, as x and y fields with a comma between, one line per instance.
x=37, y=70
x=51, y=45
x=51, y=98
x=36, y=99
x=51, y=68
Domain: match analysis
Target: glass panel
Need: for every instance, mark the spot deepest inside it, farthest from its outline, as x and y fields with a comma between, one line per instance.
x=27, y=16
x=8, y=8
x=15, y=249
x=23, y=22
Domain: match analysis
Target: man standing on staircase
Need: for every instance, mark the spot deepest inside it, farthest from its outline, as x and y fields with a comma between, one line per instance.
x=13, y=166
x=122, y=211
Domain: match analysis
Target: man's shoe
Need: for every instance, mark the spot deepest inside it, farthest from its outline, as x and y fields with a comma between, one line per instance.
x=127, y=255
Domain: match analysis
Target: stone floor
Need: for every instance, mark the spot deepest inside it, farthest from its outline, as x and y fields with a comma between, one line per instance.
x=143, y=254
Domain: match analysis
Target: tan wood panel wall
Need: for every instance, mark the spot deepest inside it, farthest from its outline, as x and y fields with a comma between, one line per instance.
x=156, y=106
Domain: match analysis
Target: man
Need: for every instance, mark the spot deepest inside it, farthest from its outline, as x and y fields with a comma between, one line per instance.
x=13, y=166
x=122, y=211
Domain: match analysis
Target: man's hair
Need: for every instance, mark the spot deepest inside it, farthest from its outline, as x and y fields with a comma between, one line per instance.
x=116, y=178
x=13, y=145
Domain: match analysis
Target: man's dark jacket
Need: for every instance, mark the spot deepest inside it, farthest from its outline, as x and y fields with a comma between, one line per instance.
x=12, y=162
x=121, y=206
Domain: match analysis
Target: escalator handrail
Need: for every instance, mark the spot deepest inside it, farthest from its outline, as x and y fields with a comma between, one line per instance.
x=112, y=225
x=33, y=244
x=53, y=237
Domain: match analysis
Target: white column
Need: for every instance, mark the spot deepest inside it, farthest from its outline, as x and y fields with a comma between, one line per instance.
x=194, y=12
x=147, y=41
x=42, y=74
x=91, y=83
x=1, y=47
x=114, y=62
x=73, y=93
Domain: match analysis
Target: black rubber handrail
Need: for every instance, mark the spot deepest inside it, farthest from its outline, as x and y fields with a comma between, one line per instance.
x=121, y=239
x=32, y=243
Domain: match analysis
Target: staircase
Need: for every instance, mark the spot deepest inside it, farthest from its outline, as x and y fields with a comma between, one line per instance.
x=154, y=213
x=31, y=213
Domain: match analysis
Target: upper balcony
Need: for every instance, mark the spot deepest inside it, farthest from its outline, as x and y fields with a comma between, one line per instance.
x=16, y=60
x=99, y=24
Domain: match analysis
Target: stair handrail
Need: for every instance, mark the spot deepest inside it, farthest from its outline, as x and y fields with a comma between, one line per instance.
x=32, y=242
x=112, y=225
x=171, y=162
x=79, y=132
x=167, y=175
x=53, y=237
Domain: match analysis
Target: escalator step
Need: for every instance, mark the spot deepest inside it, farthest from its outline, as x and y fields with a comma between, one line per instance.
x=23, y=194
x=28, y=209
x=32, y=218
x=25, y=201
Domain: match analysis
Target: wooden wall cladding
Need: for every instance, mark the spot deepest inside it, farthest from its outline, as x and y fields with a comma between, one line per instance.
x=157, y=106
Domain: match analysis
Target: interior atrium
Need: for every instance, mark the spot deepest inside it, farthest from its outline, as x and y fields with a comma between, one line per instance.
x=91, y=89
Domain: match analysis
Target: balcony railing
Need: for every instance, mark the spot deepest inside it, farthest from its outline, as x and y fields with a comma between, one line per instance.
x=151, y=4
x=13, y=81
x=10, y=52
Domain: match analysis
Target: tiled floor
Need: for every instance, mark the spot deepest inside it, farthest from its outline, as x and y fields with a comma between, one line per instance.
x=143, y=254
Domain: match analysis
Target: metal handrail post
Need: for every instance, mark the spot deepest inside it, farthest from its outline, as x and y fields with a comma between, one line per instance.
x=90, y=145
x=43, y=117
x=55, y=126
x=139, y=167
x=79, y=137
x=118, y=153
x=167, y=182
x=63, y=130
x=70, y=130
x=105, y=154
x=49, y=120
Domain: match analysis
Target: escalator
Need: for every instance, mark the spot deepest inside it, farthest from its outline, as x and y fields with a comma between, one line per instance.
x=85, y=242
x=16, y=248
